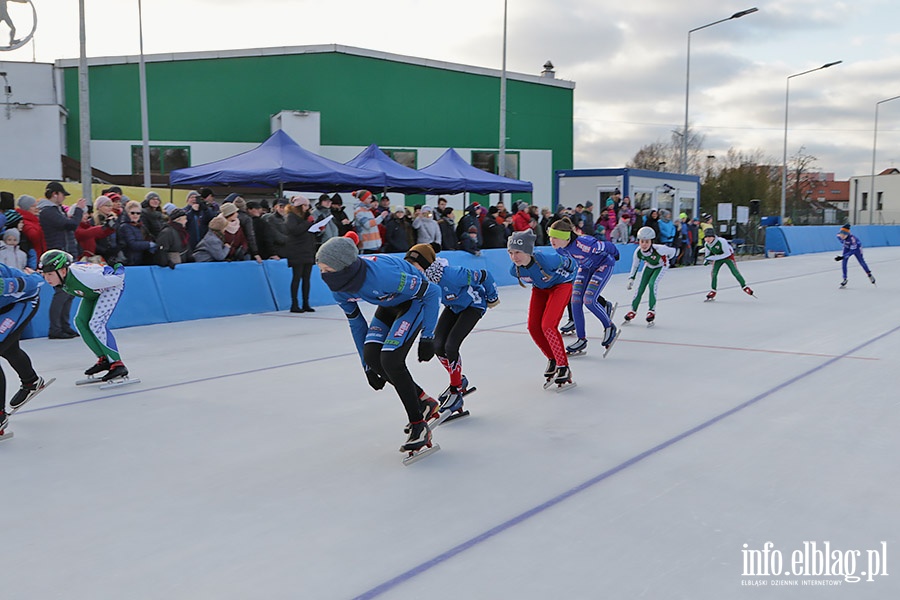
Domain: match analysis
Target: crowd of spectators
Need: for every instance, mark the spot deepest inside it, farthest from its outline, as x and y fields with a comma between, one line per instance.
x=115, y=229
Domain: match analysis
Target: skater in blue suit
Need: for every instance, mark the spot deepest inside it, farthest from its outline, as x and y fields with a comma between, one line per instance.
x=596, y=260
x=466, y=294
x=19, y=302
x=852, y=247
x=407, y=304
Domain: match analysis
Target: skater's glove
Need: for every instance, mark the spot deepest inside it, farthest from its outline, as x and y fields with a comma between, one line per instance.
x=11, y=285
x=493, y=302
x=630, y=283
x=838, y=258
x=375, y=380
x=426, y=349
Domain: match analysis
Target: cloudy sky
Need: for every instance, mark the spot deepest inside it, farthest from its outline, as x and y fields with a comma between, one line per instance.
x=627, y=60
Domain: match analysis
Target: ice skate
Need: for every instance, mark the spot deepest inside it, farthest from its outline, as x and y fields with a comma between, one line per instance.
x=563, y=379
x=577, y=348
x=843, y=284
x=430, y=409
x=451, y=408
x=549, y=373
x=612, y=334
x=464, y=388
x=568, y=328
x=710, y=296
x=102, y=364
x=871, y=278
x=27, y=392
x=418, y=445
x=748, y=291
x=629, y=317
x=611, y=309
x=4, y=422
x=651, y=318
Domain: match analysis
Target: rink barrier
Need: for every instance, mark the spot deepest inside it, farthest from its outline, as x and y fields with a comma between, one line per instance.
x=809, y=239
x=208, y=290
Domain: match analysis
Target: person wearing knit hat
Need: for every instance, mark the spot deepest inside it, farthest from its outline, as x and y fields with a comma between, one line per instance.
x=719, y=252
x=10, y=253
x=852, y=247
x=366, y=222
x=213, y=248
x=466, y=295
x=596, y=260
x=551, y=277
x=406, y=304
x=26, y=202
x=363, y=196
x=12, y=218
x=469, y=241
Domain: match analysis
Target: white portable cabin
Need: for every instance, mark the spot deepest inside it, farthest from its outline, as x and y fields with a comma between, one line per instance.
x=647, y=189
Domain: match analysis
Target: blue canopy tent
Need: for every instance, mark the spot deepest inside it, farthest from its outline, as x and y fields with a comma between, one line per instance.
x=450, y=164
x=401, y=179
x=282, y=163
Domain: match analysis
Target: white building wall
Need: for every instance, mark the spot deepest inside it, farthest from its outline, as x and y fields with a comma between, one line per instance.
x=32, y=121
x=889, y=186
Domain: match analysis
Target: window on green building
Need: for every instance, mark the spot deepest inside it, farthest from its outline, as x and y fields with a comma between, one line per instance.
x=163, y=159
x=407, y=158
x=488, y=160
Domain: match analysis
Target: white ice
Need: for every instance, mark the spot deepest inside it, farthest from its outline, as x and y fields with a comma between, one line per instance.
x=253, y=461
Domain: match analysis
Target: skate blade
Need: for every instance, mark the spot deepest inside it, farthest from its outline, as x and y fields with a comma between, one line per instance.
x=710, y=300
x=38, y=391
x=651, y=323
x=119, y=382
x=562, y=387
x=611, y=343
x=549, y=384
x=418, y=455
x=456, y=415
x=576, y=352
x=89, y=381
x=613, y=311
x=6, y=435
x=566, y=333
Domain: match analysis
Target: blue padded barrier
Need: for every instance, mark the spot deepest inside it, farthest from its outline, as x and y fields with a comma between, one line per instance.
x=39, y=326
x=808, y=239
x=140, y=304
x=279, y=277
x=207, y=290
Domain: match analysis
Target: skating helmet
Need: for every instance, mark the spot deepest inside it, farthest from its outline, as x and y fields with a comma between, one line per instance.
x=646, y=233
x=54, y=260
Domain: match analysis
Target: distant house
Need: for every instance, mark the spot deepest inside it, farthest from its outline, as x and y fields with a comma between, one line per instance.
x=886, y=192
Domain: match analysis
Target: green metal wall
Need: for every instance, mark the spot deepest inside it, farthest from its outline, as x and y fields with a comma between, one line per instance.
x=362, y=100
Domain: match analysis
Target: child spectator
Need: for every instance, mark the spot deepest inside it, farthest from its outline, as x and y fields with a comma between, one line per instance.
x=10, y=254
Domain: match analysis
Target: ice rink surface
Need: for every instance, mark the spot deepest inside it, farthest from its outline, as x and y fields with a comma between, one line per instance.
x=253, y=461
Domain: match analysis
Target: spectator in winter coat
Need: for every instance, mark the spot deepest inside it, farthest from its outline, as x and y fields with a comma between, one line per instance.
x=31, y=225
x=340, y=217
x=107, y=247
x=200, y=210
x=446, y=222
x=10, y=254
x=88, y=234
x=625, y=208
x=322, y=211
x=427, y=229
x=494, y=232
x=666, y=229
x=469, y=243
x=260, y=229
x=234, y=233
x=652, y=221
x=366, y=223
x=522, y=218
x=399, y=233
x=173, y=240
x=132, y=241
x=59, y=232
x=588, y=216
x=14, y=222
x=246, y=222
x=622, y=230
x=152, y=215
x=212, y=248
x=468, y=220
x=300, y=251
x=275, y=229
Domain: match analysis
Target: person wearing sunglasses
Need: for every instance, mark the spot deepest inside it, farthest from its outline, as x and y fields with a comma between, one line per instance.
x=133, y=240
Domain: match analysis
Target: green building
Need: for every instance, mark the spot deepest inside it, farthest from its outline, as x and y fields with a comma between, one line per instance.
x=333, y=100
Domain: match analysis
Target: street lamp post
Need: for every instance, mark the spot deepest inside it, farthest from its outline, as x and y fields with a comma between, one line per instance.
x=687, y=83
x=784, y=156
x=874, y=142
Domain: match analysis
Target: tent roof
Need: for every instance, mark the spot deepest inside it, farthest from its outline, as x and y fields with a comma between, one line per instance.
x=402, y=179
x=450, y=164
x=279, y=161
